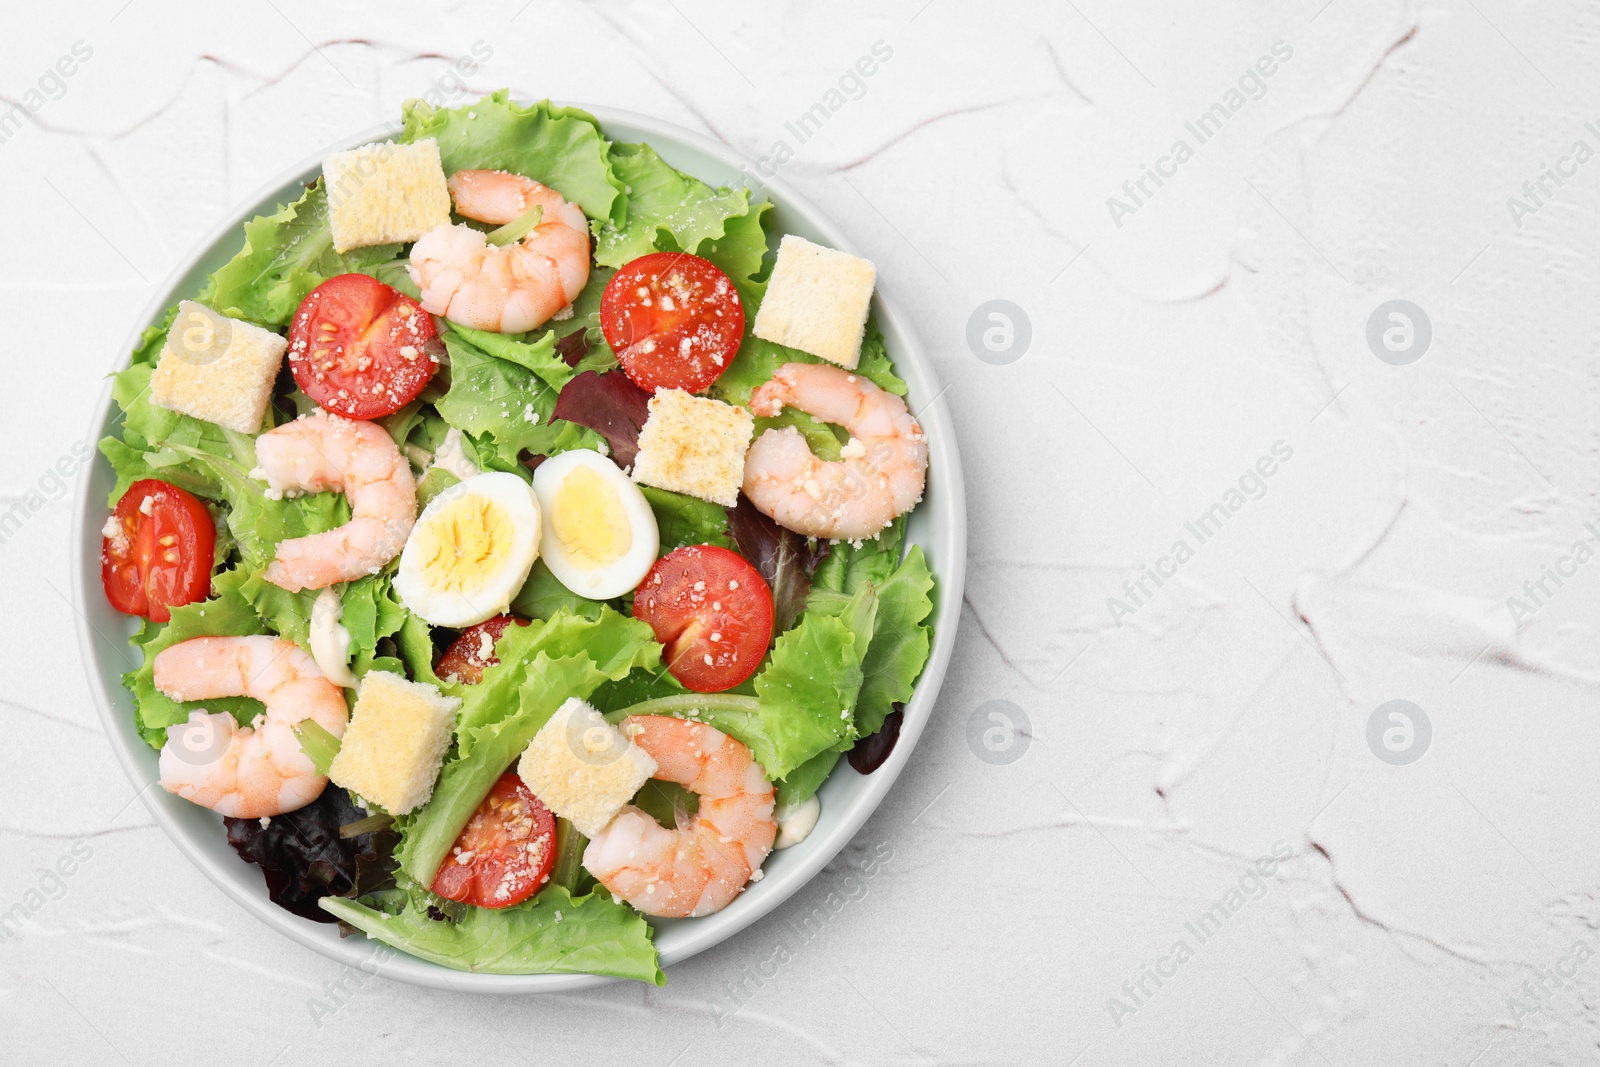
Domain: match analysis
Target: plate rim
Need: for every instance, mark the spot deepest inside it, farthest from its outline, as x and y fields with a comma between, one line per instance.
x=363, y=952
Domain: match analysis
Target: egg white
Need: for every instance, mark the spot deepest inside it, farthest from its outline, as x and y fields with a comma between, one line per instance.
x=626, y=571
x=486, y=595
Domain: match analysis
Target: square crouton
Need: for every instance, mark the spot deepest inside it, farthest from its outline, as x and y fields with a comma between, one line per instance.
x=398, y=734
x=385, y=193
x=218, y=369
x=583, y=768
x=817, y=301
x=694, y=445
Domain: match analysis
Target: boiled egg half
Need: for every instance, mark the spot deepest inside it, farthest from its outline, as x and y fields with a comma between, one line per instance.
x=600, y=536
x=470, y=551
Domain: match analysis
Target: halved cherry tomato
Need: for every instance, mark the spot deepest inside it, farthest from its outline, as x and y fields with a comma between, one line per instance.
x=473, y=652
x=505, y=852
x=360, y=348
x=674, y=321
x=712, y=611
x=157, y=550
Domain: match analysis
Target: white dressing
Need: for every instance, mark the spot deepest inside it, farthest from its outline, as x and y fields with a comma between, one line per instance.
x=330, y=641
x=451, y=456
x=795, y=824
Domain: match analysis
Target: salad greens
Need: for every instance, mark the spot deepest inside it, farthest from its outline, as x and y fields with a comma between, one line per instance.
x=853, y=628
x=554, y=933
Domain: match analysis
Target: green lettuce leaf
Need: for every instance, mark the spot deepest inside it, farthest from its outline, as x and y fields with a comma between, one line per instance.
x=554, y=933
x=561, y=147
x=538, y=356
x=638, y=687
x=542, y=596
x=415, y=641
x=687, y=520
x=804, y=781
x=808, y=688
x=285, y=256
x=849, y=566
x=667, y=210
x=586, y=317
x=436, y=481
x=613, y=643
x=506, y=407
x=741, y=252
x=371, y=612
x=901, y=638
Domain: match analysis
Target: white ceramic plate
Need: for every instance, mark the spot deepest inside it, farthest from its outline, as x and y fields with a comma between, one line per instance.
x=938, y=525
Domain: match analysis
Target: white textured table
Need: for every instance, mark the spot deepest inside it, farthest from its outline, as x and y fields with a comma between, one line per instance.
x=1199, y=318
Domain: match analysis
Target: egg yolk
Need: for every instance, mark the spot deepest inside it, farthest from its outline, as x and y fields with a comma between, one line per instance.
x=588, y=519
x=465, y=544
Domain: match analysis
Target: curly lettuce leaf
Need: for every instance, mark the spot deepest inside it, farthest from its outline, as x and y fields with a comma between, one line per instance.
x=537, y=356
x=507, y=408
x=901, y=638
x=561, y=147
x=901, y=642
x=613, y=643
x=809, y=686
x=849, y=566
x=554, y=933
x=667, y=210
x=285, y=256
x=371, y=612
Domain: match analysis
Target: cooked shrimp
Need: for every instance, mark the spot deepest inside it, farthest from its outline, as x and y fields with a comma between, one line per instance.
x=885, y=462
x=698, y=868
x=245, y=771
x=506, y=288
x=323, y=452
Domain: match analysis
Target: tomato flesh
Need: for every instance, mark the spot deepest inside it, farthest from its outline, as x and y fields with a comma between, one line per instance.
x=473, y=652
x=157, y=550
x=713, y=612
x=674, y=321
x=505, y=852
x=360, y=348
